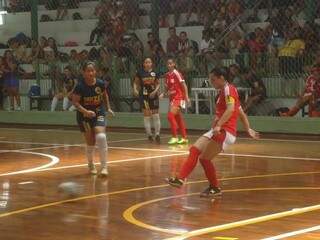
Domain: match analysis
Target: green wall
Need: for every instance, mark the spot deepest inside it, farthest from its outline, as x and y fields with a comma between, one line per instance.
x=134, y=120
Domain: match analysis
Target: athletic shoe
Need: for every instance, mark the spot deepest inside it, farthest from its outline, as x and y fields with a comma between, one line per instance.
x=18, y=109
x=283, y=114
x=173, y=141
x=174, y=182
x=211, y=192
x=150, y=138
x=92, y=169
x=104, y=172
x=158, y=140
x=183, y=141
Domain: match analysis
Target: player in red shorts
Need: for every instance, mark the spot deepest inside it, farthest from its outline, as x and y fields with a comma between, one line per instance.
x=177, y=90
x=221, y=135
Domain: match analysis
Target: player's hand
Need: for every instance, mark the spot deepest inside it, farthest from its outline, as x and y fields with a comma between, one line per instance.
x=216, y=130
x=161, y=96
x=252, y=133
x=90, y=114
x=188, y=101
x=111, y=112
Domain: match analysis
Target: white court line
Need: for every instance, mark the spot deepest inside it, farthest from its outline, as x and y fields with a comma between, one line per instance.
x=269, y=156
x=111, y=162
x=32, y=143
x=245, y=222
x=54, y=161
x=290, y=234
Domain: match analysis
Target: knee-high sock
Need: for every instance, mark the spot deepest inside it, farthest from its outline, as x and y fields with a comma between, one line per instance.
x=190, y=163
x=54, y=104
x=65, y=104
x=173, y=124
x=181, y=124
x=156, y=123
x=90, y=154
x=147, y=125
x=101, y=141
x=210, y=172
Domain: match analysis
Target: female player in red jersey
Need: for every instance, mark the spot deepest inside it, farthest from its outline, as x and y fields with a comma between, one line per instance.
x=177, y=90
x=221, y=135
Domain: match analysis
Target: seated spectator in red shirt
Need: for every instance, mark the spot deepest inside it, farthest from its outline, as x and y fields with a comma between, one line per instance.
x=311, y=95
x=172, y=42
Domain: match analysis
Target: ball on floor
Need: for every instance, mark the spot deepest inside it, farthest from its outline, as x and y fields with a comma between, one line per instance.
x=70, y=189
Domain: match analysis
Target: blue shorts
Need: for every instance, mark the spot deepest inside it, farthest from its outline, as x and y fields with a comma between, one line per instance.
x=11, y=82
x=87, y=124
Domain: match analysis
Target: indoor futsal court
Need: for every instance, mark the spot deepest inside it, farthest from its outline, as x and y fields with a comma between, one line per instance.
x=270, y=190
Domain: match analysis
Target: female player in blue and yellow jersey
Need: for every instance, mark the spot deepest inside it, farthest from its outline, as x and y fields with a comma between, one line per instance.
x=146, y=86
x=91, y=100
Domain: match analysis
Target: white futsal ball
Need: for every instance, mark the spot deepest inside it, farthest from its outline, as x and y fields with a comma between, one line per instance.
x=70, y=189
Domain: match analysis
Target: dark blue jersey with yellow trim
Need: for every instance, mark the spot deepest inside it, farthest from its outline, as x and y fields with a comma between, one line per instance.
x=91, y=97
x=148, y=81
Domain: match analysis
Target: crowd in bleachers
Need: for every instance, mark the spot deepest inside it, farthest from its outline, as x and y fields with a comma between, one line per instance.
x=277, y=41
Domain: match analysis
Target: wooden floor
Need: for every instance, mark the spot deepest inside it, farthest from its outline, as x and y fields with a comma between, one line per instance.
x=270, y=190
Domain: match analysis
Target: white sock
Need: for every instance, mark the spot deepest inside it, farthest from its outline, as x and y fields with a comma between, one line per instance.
x=54, y=104
x=147, y=125
x=101, y=141
x=90, y=153
x=156, y=123
x=65, y=104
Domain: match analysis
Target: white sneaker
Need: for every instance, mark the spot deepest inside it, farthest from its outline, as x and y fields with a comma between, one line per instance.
x=104, y=172
x=18, y=109
x=92, y=169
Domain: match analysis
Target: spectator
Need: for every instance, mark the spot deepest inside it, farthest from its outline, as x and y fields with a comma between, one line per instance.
x=116, y=10
x=53, y=45
x=101, y=28
x=277, y=38
x=132, y=14
x=258, y=90
x=310, y=95
x=207, y=50
x=220, y=23
x=118, y=28
x=164, y=12
x=137, y=49
x=290, y=59
x=83, y=56
x=256, y=46
x=236, y=77
x=172, y=42
x=200, y=7
x=2, y=68
x=62, y=9
x=105, y=59
x=74, y=62
x=234, y=10
x=155, y=49
x=177, y=7
x=185, y=53
x=37, y=53
x=11, y=80
x=69, y=83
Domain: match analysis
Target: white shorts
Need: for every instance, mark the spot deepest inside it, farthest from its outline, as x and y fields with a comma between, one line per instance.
x=225, y=138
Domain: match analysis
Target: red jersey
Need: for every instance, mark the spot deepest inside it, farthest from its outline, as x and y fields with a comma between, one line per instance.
x=174, y=86
x=227, y=95
x=310, y=84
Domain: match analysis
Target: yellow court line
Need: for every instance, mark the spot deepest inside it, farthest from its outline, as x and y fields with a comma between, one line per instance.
x=129, y=213
x=134, y=190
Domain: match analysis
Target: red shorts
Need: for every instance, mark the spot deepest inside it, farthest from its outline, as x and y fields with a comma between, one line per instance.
x=224, y=138
x=178, y=103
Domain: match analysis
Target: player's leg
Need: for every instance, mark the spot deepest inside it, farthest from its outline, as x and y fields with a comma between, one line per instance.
x=191, y=162
x=217, y=144
x=54, y=102
x=11, y=98
x=173, y=111
x=154, y=105
x=157, y=124
x=89, y=136
x=181, y=124
x=66, y=103
x=146, y=117
x=101, y=142
x=296, y=108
